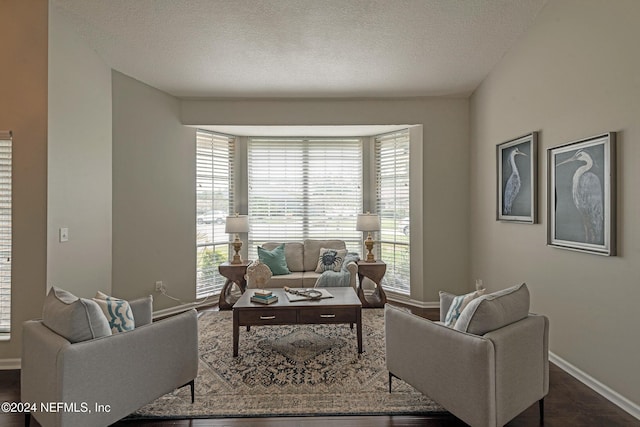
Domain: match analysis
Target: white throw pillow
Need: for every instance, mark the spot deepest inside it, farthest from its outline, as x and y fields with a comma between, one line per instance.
x=117, y=311
x=76, y=319
x=458, y=304
x=330, y=259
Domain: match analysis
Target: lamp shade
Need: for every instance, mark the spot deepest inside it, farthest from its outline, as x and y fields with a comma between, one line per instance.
x=368, y=222
x=237, y=224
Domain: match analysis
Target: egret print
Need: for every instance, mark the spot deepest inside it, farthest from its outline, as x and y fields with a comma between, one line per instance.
x=586, y=192
x=582, y=195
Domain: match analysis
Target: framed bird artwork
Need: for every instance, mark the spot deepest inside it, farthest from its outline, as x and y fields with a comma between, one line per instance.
x=582, y=195
x=517, y=167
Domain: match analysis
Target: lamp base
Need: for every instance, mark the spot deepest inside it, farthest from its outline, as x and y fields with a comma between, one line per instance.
x=237, y=245
x=369, y=245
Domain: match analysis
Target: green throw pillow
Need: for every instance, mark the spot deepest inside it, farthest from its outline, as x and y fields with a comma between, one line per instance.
x=274, y=259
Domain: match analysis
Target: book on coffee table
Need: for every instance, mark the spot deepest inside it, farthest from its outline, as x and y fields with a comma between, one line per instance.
x=264, y=300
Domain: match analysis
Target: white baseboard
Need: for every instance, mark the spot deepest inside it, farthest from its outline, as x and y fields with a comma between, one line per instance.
x=9, y=364
x=404, y=299
x=603, y=390
x=174, y=310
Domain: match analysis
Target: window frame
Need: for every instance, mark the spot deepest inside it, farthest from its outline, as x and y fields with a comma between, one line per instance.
x=307, y=153
x=6, y=247
x=394, y=244
x=212, y=243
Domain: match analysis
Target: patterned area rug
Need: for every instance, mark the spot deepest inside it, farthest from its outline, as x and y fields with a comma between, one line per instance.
x=291, y=370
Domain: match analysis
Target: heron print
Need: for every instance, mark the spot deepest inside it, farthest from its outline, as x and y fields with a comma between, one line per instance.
x=512, y=188
x=516, y=180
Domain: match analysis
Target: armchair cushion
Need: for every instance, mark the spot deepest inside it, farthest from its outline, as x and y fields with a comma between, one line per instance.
x=493, y=311
x=117, y=311
x=76, y=319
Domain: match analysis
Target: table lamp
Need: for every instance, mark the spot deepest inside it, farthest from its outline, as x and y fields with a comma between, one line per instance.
x=237, y=224
x=368, y=222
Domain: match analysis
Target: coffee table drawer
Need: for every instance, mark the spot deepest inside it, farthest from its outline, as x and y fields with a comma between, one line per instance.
x=267, y=317
x=327, y=315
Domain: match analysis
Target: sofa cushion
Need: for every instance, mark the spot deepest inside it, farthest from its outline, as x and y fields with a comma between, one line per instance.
x=293, y=254
x=76, y=319
x=493, y=311
x=293, y=280
x=458, y=304
x=274, y=259
x=312, y=251
x=117, y=311
x=330, y=259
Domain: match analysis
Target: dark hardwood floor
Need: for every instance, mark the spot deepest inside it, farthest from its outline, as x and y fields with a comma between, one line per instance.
x=569, y=403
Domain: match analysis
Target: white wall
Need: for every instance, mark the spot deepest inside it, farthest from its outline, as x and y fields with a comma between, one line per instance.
x=153, y=194
x=443, y=215
x=573, y=75
x=79, y=167
x=23, y=88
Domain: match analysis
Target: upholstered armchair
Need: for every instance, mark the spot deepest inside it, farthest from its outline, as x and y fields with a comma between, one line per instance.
x=103, y=379
x=484, y=377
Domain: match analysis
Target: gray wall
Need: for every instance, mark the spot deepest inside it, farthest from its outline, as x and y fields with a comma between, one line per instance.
x=153, y=194
x=79, y=171
x=23, y=88
x=573, y=75
x=443, y=216
x=154, y=178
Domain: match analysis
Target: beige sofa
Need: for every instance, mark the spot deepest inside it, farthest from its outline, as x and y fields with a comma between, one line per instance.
x=302, y=260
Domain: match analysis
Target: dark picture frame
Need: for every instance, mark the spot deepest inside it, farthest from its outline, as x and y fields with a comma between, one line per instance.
x=582, y=195
x=517, y=173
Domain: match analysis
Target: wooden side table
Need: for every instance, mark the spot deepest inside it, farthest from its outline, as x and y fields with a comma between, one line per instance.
x=234, y=274
x=374, y=271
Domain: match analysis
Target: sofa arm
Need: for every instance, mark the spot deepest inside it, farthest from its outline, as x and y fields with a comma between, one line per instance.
x=522, y=362
x=142, y=309
x=39, y=377
x=445, y=302
x=352, y=267
x=454, y=368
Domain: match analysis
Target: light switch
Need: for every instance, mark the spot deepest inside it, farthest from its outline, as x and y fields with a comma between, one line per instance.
x=64, y=234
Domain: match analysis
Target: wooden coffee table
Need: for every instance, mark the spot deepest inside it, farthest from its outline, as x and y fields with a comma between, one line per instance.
x=344, y=307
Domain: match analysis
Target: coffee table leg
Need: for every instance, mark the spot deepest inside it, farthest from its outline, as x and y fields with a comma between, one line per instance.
x=236, y=331
x=359, y=328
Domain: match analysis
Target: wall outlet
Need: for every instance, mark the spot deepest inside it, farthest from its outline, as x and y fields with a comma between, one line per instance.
x=160, y=286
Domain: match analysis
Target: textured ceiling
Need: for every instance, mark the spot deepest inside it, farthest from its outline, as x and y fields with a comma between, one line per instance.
x=303, y=48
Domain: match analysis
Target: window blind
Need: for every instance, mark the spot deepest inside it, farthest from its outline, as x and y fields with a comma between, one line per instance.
x=392, y=182
x=5, y=231
x=214, y=202
x=301, y=188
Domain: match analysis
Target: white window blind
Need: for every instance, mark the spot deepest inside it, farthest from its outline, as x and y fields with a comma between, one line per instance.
x=5, y=231
x=392, y=176
x=301, y=188
x=214, y=202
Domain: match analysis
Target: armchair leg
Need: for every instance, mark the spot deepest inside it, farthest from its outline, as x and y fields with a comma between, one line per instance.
x=541, y=407
x=391, y=376
x=27, y=419
x=192, y=385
